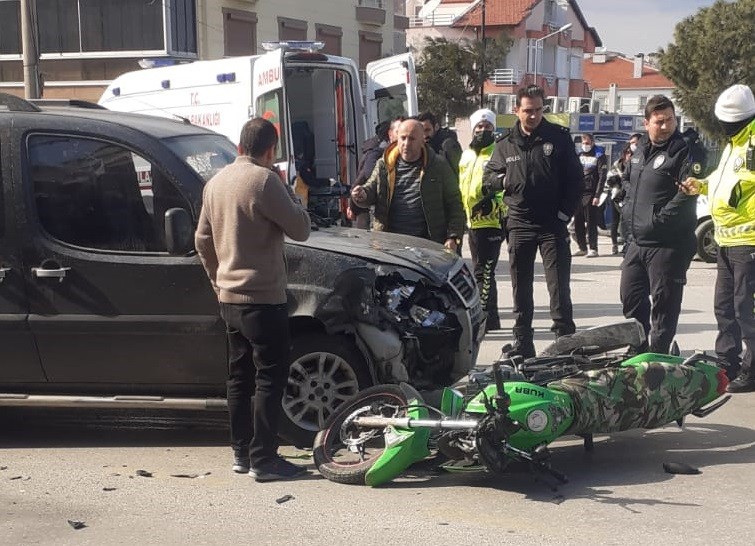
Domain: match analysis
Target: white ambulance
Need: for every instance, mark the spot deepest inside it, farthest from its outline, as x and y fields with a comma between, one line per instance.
x=315, y=100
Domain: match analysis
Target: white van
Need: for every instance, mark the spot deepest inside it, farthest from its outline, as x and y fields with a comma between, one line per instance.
x=315, y=101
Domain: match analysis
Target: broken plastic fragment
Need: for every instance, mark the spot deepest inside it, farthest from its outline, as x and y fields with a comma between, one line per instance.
x=109, y=488
x=76, y=524
x=680, y=468
x=144, y=473
x=284, y=498
x=190, y=475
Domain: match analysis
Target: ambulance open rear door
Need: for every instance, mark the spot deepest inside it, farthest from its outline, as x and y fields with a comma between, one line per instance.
x=391, y=90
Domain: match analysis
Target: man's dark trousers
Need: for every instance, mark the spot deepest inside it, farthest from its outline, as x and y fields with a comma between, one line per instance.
x=485, y=247
x=586, y=213
x=733, y=306
x=259, y=347
x=554, y=249
x=658, y=274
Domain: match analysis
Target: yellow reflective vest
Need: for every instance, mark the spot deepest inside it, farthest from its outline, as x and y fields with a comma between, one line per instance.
x=731, y=192
x=471, y=167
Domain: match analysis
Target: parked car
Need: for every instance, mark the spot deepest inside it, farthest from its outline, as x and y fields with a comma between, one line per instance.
x=104, y=302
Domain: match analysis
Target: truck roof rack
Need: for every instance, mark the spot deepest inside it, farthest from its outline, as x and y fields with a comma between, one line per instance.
x=77, y=103
x=17, y=104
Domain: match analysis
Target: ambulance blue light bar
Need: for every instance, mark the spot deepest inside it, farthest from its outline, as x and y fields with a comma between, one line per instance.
x=295, y=45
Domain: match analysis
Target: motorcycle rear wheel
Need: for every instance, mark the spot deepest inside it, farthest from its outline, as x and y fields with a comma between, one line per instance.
x=337, y=461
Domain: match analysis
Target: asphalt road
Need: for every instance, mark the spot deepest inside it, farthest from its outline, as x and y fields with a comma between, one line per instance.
x=54, y=470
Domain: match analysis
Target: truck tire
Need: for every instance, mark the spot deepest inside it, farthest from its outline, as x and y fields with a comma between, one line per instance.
x=707, y=249
x=325, y=371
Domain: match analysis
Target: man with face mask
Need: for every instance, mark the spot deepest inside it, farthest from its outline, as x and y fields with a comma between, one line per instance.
x=731, y=196
x=659, y=221
x=595, y=169
x=484, y=209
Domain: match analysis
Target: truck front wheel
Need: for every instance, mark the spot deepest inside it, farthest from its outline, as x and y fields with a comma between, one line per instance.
x=325, y=371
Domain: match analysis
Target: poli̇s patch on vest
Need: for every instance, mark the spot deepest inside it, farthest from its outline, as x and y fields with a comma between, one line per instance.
x=659, y=161
x=547, y=149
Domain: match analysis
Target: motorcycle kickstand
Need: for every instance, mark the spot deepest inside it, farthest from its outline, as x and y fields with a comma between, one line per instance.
x=588, y=442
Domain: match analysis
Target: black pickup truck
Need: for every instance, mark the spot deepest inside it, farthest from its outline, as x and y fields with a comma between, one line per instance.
x=104, y=303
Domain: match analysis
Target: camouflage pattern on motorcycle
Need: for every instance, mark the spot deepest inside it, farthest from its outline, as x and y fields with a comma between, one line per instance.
x=648, y=391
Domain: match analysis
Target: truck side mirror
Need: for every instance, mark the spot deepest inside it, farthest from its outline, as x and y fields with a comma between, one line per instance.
x=179, y=233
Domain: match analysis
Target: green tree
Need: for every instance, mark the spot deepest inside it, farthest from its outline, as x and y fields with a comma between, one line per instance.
x=449, y=76
x=712, y=50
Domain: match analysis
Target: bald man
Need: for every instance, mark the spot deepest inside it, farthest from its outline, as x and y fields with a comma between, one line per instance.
x=414, y=190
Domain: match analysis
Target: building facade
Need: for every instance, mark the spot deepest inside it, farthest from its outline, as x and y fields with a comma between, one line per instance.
x=84, y=44
x=539, y=54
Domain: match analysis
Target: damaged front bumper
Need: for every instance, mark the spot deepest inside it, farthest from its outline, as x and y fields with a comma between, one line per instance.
x=411, y=328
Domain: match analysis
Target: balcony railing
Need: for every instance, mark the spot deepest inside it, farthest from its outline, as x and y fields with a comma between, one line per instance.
x=380, y=4
x=505, y=76
x=440, y=20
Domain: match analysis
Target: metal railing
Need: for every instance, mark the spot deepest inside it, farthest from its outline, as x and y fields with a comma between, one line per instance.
x=505, y=76
x=440, y=20
x=380, y=4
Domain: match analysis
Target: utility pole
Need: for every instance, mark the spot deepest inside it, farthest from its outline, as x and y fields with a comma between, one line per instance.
x=30, y=50
x=482, y=60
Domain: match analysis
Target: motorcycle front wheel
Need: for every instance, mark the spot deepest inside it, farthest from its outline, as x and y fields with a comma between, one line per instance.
x=343, y=452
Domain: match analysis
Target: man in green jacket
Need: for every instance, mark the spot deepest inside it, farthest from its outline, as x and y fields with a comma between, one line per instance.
x=731, y=196
x=414, y=191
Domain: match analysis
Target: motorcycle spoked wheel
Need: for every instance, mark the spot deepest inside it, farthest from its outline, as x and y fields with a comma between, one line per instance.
x=342, y=452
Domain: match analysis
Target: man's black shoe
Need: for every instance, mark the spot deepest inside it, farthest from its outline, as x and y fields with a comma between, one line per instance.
x=744, y=383
x=241, y=462
x=277, y=469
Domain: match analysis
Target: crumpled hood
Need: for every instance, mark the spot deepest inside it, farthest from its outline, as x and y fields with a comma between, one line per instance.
x=421, y=255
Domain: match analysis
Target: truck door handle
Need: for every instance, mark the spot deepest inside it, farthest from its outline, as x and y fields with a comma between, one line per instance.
x=4, y=271
x=42, y=273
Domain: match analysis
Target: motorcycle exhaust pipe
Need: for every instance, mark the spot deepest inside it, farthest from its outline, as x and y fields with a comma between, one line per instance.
x=409, y=423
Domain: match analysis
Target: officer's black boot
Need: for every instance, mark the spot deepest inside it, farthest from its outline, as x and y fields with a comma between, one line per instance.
x=745, y=381
x=523, y=346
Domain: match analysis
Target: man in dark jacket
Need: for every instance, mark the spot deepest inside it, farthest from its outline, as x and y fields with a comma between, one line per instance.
x=442, y=140
x=542, y=183
x=659, y=221
x=414, y=191
x=372, y=149
x=595, y=168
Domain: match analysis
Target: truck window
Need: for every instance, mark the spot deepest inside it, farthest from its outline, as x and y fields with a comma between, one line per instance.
x=391, y=102
x=99, y=195
x=270, y=107
x=206, y=154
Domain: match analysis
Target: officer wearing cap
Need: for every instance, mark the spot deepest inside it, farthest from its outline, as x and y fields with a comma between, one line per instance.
x=731, y=196
x=484, y=209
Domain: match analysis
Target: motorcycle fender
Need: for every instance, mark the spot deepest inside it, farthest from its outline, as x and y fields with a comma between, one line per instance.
x=403, y=447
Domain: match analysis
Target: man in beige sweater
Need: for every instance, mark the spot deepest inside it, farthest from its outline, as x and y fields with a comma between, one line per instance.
x=247, y=209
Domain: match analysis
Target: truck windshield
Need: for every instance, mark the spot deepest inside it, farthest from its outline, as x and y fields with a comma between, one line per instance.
x=206, y=154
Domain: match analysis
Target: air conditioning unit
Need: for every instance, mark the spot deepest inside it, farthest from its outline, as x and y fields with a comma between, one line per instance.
x=501, y=104
x=583, y=105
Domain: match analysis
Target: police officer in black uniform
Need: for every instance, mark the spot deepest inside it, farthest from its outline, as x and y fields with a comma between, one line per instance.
x=537, y=165
x=659, y=221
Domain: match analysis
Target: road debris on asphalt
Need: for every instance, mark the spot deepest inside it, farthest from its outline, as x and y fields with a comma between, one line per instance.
x=191, y=476
x=680, y=468
x=144, y=473
x=284, y=498
x=76, y=524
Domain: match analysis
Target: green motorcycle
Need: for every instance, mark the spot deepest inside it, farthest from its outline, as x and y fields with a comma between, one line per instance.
x=580, y=385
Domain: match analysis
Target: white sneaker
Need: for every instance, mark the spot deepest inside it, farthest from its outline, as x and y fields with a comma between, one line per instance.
x=592, y=253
